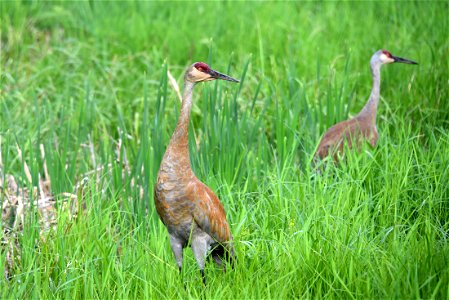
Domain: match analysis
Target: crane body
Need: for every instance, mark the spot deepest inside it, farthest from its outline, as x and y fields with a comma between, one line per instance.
x=362, y=127
x=188, y=208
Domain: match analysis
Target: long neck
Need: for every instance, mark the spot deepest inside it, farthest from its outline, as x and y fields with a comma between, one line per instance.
x=370, y=108
x=180, y=138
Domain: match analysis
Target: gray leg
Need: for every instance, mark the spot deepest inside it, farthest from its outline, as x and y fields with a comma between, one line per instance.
x=199, y=247
x=176, y=247
x=203, y=276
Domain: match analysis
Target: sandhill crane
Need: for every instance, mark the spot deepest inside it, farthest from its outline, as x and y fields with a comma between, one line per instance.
x=188, y=208
x=363, y=126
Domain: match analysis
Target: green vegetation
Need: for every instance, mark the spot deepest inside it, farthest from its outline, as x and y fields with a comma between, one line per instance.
x=88, y=81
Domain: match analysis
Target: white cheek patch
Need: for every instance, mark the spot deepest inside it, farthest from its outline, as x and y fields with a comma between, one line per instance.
x=199, y=76
x=386, y=59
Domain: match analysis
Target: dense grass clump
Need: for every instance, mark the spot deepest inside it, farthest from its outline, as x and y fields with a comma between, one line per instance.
x=86, y=100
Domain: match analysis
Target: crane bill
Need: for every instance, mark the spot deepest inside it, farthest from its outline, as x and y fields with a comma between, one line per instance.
x=218, y=75
x=404, y=60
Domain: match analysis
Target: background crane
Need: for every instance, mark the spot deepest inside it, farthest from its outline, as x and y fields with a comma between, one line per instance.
x=363, y=126
x=188, y=208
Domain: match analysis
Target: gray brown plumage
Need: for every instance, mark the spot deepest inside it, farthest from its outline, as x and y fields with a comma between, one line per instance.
x=188, y=208
x=363, y=126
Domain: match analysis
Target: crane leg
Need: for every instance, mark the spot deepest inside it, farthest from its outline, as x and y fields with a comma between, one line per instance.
x=203, y=276
x=199, y=247
x=176, y=247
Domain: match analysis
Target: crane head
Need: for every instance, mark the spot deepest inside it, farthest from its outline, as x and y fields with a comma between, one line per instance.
x=385, y=57
x=200, y=71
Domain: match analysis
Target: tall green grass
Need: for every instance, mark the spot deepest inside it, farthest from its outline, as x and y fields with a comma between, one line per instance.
x=81, y=77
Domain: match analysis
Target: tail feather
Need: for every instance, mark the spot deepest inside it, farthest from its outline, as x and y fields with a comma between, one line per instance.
x=223, y=252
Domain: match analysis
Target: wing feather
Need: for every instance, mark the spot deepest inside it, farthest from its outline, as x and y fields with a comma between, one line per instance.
x=208, y=212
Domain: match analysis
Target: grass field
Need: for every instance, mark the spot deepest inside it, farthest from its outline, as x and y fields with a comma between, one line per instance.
x=86, y=82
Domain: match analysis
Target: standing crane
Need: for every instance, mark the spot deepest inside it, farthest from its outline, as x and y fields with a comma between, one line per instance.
x=363, y=126
x=188, y=208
